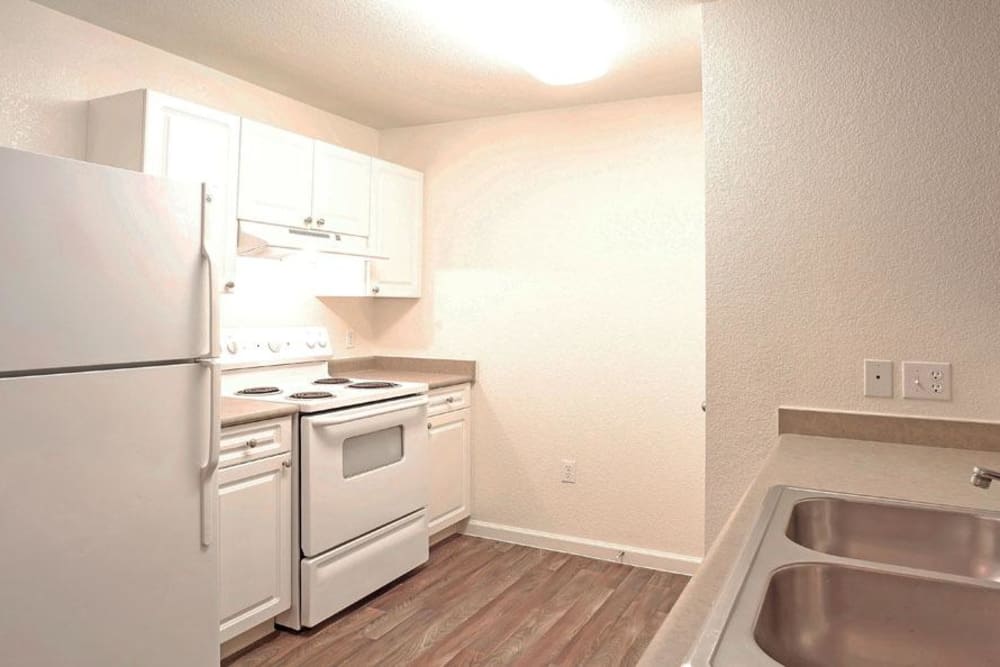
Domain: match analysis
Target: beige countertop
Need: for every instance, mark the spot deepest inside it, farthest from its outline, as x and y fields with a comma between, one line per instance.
x=436, y=373
x=911, y=472
x=236, y=411
x=433, y=380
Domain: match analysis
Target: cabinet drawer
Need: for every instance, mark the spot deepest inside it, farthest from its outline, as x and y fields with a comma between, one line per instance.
x=447, y=399
x=258, y=440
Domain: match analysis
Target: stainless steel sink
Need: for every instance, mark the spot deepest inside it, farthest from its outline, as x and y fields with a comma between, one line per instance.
x=829, y=579
x=820, y=615
x=956, y=542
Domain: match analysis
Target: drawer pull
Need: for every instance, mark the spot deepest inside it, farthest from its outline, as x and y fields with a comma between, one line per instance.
x=286, y=464
x=251, y=443
x=450, y=399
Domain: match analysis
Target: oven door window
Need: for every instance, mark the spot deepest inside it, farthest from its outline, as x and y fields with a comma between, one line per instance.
x=371, y=451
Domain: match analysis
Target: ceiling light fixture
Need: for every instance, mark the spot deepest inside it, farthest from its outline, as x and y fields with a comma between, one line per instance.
x=559, y=42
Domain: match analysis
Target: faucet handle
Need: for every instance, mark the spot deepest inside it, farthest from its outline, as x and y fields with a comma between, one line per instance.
x=983, y=477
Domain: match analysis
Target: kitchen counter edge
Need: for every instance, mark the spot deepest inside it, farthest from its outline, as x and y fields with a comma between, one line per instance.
x=435, y=373
x=237, y=411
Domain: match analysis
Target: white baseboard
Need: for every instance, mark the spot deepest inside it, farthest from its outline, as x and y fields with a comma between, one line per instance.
x=579, y=546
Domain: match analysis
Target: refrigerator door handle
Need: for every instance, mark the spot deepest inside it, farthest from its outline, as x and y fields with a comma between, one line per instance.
x=208, y=245
x=209, y=495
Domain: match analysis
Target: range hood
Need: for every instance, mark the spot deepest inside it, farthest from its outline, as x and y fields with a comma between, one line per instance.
x=261, y=239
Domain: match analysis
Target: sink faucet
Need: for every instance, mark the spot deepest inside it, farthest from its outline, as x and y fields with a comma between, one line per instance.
x=983, y=477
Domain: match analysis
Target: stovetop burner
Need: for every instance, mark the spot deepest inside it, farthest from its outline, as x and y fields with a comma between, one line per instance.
x=309, y=395
x=258, y=391
x=373, y=385
x=332, y=381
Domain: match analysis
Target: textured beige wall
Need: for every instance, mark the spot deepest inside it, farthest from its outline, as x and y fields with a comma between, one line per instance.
x=853, y=170
x=51, y=65
x=564, y=252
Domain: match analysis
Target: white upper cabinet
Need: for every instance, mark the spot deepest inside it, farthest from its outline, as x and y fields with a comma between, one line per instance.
x=276, y=176
x=397, y=230
x=146, y=131
x=341, y=191
x=362, y=209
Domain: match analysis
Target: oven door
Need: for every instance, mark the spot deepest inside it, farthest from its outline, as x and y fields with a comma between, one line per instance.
x=362, y=468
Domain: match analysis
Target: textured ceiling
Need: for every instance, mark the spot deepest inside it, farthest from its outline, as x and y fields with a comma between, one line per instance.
x=384, y=64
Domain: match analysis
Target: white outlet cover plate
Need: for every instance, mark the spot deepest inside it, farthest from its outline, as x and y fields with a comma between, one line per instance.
x=927, y=380
x=878, y=378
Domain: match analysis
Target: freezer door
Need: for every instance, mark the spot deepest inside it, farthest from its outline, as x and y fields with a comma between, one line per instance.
x=102, y=562
x=101, y=266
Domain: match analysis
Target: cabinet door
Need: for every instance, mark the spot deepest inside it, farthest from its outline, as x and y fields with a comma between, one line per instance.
x=164, y=136
x=397, y=229
x=255, y=552
x=341, y=190
x=449, y=446
x=275, y=176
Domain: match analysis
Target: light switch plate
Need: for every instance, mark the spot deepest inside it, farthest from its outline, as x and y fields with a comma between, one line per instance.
x=927, y=380
x=878, y=378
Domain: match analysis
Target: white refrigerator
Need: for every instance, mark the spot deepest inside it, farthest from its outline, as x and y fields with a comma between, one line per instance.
x=108, y=417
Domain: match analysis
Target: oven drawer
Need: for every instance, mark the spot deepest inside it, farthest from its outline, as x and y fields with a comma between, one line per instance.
x=339, y=578
x=447, y=399
x=257, y=440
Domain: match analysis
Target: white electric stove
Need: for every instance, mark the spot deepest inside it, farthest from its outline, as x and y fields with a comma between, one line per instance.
x=359, y=463
x=289, y=365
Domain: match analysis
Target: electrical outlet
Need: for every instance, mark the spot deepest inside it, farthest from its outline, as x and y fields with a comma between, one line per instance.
x=568, y=471
x=878, y=378
x=927, y=380
x=349, y=339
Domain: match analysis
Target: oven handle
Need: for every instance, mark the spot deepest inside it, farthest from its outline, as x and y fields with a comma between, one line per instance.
x=368, y=411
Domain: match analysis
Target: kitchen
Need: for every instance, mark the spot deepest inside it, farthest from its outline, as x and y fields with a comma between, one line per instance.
x=544, y=281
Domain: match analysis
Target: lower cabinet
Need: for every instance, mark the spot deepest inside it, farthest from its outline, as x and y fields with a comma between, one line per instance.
x=255, y=563
x=450, y=454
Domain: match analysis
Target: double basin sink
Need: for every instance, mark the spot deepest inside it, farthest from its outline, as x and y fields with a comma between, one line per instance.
x=828, y=579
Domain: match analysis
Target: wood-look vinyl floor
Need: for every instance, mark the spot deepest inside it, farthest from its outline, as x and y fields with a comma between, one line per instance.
x=480, y=602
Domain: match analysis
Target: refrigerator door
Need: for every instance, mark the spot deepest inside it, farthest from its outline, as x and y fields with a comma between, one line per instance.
x=103, y=562
x=101, y=266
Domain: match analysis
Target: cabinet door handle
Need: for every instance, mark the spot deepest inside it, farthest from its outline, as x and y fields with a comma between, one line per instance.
x=308, y=220
x=429, y=427
x=375, y=290
x=321, y=222
x=286, y=464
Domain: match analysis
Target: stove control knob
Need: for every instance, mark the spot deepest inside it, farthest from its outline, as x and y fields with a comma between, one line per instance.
x=310, y=343
x=232, y=346
x=322, y=342
x=274, y=346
